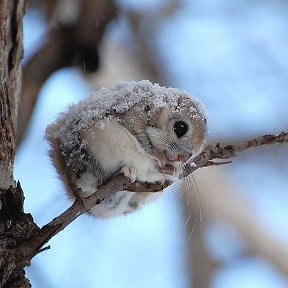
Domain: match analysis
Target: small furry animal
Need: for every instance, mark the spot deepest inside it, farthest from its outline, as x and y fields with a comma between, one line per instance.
x=141, y=129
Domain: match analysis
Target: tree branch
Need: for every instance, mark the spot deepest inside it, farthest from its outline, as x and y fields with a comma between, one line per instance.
x=26, y=252
x=230, y=151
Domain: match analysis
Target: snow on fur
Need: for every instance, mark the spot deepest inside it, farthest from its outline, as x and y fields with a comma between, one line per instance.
x=118, y=98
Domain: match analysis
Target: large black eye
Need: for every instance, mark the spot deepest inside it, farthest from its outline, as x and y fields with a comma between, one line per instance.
x=180, y=128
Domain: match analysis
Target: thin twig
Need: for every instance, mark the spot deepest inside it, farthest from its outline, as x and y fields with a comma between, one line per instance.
x=230, y=151
x=25, y=252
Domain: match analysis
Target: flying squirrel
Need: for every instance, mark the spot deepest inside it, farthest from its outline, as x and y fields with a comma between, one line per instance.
x=145, y=131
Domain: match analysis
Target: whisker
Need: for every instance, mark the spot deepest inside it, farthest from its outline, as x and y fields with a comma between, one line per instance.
x=164, y=138
x=188, y=211
x=190, y=185
x=168, y=143
x=198, y=196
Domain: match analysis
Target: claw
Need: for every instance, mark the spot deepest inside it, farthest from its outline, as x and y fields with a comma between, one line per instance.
x=129, y=172
x=159, y=158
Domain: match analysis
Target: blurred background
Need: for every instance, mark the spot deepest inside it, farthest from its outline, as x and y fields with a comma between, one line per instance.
x=231, y=230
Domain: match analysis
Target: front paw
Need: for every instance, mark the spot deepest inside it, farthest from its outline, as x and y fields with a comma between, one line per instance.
x=159, y=158
x=168, y=170
x=129, y=172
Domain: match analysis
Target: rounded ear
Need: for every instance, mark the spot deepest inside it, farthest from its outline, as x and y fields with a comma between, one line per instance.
x=163, y=117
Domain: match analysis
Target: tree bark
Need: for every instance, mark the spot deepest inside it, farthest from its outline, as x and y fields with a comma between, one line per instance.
x=11, y=13
x=15, y=226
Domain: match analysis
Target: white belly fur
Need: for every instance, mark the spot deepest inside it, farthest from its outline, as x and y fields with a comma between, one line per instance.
x=113, y=146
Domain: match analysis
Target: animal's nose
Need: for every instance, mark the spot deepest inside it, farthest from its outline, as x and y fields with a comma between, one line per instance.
x=181, y=157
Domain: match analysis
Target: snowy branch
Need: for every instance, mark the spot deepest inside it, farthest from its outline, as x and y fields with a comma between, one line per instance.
x=29, y=249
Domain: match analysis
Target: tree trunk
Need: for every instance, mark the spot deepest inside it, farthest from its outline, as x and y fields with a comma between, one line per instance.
x=15, y=226
x=11, y=13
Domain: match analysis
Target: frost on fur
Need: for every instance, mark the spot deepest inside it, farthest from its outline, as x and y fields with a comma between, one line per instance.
x=119, y=99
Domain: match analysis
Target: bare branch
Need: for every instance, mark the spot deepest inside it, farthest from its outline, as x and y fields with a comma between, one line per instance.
x=25, y=252
x=230, y=151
